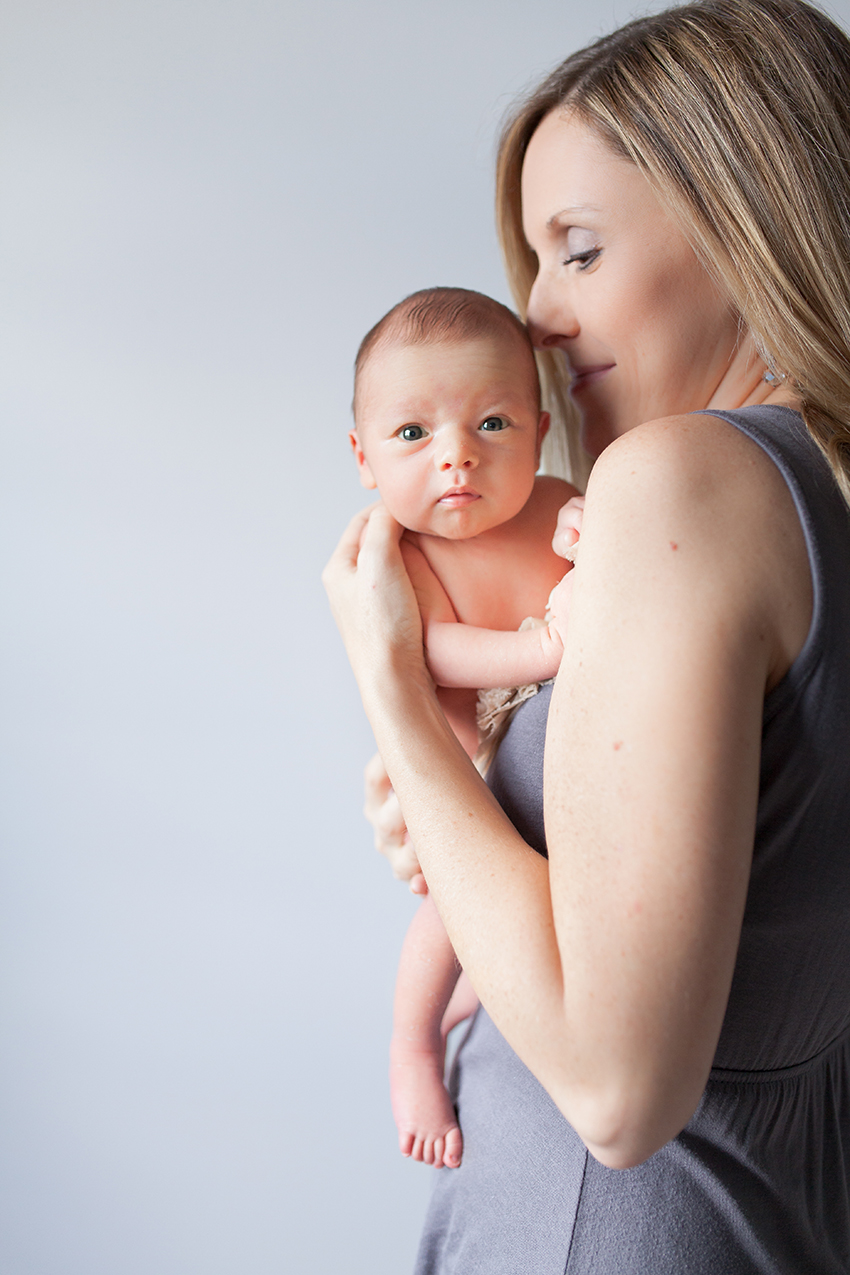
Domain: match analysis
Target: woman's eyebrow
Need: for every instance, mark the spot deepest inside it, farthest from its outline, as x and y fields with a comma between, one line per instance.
x=557, y=219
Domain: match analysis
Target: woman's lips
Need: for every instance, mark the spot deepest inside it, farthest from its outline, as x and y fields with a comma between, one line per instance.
x=584, y=376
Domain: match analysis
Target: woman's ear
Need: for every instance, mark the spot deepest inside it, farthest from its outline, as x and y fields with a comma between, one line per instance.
x=361, y=462
x=542, y=430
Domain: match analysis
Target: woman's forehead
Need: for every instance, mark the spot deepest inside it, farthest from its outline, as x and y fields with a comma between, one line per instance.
x=570, y=172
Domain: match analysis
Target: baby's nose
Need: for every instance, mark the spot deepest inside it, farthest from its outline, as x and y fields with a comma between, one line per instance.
x=458, y=453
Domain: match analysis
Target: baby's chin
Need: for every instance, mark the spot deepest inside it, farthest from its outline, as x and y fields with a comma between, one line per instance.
x=462, y=527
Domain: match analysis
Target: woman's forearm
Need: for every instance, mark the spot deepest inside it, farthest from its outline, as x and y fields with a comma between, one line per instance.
x=481, y=873
x=492, y=890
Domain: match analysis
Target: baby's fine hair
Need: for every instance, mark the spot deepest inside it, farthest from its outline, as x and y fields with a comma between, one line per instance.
x=442, y=314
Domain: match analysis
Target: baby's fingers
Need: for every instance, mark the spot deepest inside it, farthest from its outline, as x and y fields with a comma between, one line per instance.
x=568, y=529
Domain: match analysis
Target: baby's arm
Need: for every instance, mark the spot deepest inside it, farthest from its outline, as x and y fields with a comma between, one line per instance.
x=461, y=655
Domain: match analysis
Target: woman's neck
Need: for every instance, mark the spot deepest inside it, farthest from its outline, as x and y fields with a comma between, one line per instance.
x=744, y=385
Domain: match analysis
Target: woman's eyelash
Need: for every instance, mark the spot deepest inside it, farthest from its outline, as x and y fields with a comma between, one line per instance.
x=585, y=259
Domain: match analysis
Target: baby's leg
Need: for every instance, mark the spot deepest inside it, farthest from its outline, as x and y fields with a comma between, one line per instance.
x=427, y=974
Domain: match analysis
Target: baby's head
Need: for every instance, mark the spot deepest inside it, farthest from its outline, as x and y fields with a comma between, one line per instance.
x=447, y=414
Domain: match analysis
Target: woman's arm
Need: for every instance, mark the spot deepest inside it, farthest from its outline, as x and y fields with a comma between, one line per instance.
x=608, y=971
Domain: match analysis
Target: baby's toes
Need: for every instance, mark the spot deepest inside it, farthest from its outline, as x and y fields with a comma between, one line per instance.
x=405, y=1143
x=453, y=1148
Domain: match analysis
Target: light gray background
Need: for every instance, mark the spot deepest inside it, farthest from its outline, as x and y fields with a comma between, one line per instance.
x=204, y=206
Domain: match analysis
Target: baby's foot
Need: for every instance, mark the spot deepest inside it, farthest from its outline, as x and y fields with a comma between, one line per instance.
x=424, y=1114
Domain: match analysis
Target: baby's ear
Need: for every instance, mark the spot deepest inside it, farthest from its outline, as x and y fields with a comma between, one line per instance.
x=542, y=430
x=361, y=462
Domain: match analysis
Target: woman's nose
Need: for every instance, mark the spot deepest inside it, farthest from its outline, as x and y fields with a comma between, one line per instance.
x=550, y=319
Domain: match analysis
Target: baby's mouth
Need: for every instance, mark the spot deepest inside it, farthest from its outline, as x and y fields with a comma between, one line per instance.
x=457, y=497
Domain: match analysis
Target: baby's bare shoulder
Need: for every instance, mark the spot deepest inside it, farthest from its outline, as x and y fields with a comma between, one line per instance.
x=556, y=487
x=551, y=493
x=547, y=498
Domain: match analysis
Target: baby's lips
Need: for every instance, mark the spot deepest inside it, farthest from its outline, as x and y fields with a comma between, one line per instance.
x=463, y=495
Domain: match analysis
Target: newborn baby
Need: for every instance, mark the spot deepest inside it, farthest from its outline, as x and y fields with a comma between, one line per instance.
x=448, y=428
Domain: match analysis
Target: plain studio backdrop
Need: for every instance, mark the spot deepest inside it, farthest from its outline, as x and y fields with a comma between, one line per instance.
x=205, y=205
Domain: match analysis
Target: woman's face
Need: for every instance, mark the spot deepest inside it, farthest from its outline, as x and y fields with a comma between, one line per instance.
x=618, y=289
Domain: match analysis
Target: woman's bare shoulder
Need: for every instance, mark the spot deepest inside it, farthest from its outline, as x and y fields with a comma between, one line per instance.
x=698, y=485
x=699, y=464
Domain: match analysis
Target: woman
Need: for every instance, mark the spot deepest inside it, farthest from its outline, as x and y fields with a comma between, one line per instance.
x=659, y=1079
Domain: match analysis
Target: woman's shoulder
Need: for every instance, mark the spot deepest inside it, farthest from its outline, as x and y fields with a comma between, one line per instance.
x=695, y=442
x=701, y=486
x=699, y=463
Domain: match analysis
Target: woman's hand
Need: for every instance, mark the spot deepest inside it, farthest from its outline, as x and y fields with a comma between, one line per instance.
x=382, y=809
x=373, y=601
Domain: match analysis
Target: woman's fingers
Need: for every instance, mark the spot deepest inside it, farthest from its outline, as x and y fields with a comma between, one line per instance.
x=383, y=811
x=377, y=785
x=371, y=596
x=345, y=555
x=381, y=533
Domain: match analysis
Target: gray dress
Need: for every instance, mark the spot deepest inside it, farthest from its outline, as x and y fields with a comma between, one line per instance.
x=759, y=1180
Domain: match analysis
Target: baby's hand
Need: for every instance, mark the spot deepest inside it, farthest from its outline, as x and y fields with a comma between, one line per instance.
x=558, y=606
x=568, y=530
x=565, y=544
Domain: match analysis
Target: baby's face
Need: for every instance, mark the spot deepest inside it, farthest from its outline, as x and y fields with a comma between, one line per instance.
x=449, y=433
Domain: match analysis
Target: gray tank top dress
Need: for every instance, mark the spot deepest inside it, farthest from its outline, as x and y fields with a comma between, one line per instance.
x=758, y=1182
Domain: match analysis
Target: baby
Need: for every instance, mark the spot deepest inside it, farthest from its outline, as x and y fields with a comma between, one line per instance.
x=448, y=428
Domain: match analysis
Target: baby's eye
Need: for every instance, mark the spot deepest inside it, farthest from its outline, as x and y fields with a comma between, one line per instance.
x=494, y=423
x=411, y=433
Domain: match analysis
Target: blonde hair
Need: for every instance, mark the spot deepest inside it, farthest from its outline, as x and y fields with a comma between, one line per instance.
x=738, y=113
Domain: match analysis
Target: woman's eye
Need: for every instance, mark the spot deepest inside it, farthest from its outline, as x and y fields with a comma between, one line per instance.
x=493, y=423
x=411, y=433
x=584, y=259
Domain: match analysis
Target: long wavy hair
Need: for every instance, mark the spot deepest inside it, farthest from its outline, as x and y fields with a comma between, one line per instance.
x=738, y=114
